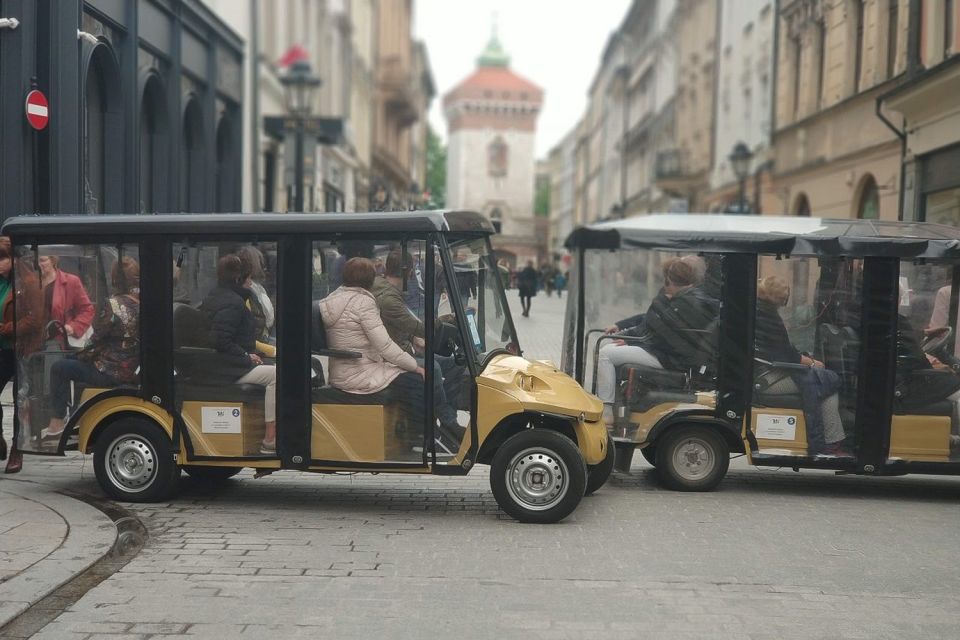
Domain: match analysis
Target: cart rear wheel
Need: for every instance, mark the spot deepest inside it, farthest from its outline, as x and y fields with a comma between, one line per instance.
x=538, y=476
x=598, y=474
x=650, y=455
x=211, y=475
x=134, y=462
x=692, y=458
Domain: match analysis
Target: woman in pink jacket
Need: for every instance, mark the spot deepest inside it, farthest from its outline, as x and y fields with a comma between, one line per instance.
x=352, y=320
x=64, y=298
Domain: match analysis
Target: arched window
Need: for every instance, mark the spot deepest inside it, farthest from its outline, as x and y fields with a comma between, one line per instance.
x=801, y=206
x=192, y=166
x=225, y=158
x=868, y=205
x=94, y=148
x=497, y=158
x=103, y=128
x=153, y=147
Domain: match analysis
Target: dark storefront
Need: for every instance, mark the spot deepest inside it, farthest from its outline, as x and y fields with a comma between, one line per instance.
x=145, y=107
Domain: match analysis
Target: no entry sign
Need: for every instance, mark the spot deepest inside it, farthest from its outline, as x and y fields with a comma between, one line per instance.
x=38, y=111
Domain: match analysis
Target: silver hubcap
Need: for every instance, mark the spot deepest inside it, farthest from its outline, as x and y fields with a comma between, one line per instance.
x=537, y=479
x=693, y=459
x=131, y=463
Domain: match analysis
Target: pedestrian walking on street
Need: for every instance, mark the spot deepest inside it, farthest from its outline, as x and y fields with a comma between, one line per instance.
x=560, y=281
x=8, y=361
x=527, y=284
x=26, y=289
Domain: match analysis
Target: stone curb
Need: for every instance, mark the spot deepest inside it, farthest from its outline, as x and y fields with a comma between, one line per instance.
x=91, y=535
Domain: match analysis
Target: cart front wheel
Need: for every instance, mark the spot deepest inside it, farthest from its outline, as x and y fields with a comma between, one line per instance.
x=692, y=458
x=133, y=461
x=538, y=476
x=598, y=474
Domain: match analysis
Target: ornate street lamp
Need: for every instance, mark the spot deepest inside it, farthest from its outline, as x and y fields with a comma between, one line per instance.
x=299, y=84
x=740, y=159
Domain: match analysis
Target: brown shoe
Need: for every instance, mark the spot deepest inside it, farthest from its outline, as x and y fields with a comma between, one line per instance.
x=14, y=462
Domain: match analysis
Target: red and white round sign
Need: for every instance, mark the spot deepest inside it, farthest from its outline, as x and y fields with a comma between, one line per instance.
x=38, y=111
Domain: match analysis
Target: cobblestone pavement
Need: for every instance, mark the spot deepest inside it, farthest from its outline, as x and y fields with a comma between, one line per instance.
x=772, y=554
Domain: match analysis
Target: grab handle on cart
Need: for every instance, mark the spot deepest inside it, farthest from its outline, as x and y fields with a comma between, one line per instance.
x=596, y=349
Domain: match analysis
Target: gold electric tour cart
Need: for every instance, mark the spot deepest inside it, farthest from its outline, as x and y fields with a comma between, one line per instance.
x=539, y=431
x=800, y=342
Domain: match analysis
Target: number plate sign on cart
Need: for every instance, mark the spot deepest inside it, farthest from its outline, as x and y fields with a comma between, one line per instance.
x=776, y=427
x=220, y=420
x=37, y=109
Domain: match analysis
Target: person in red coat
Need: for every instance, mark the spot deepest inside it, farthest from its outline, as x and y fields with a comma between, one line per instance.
x=64, y=298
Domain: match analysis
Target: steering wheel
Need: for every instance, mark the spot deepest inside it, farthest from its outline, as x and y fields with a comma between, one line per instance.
x=936, y=340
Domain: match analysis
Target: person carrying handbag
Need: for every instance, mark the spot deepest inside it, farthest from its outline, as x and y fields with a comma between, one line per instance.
x=112, y=358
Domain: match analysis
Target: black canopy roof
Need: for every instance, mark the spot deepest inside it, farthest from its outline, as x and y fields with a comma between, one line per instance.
x=772, y=235
x=28, y=228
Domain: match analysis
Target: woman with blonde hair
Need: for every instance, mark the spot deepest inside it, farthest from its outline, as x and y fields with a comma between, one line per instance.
x=817, y=386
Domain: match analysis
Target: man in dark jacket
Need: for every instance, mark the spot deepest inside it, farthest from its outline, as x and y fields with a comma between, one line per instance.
x=527, y=284
x=233, y=333
x=406, y=330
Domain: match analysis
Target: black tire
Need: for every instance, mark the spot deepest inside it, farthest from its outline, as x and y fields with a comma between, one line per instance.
x=692, y=458
x=211, y=475
x=598, y=474
x=553, y=460
x=134, y=461
x=649, y=454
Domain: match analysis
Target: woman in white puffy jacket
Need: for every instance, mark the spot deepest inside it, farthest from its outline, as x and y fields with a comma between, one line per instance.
x=352, y=320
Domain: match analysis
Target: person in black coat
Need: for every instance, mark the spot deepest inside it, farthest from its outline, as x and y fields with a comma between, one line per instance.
x=527, y=284
x=817, y=386
x=233, y=334
x=675, y=328
x=921, y=379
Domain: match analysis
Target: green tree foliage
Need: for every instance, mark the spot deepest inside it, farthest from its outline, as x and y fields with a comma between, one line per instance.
x=436, y=170
x=541, y=201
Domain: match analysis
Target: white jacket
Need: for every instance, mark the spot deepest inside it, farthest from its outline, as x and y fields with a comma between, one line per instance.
x=352, y=320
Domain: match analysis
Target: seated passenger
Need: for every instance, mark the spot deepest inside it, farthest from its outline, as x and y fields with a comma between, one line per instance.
x=406, y=330
x=65, y=299
x=671, y=329
x=112, y=357
x=352, y=321
x=921, y=378
x=818, y=386
x=258, y=301
x=233, y=333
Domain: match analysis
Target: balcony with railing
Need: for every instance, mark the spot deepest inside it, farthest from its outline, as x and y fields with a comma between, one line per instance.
x=675, y=173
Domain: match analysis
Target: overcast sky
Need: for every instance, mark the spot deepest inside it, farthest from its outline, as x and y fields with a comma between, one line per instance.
x=555, y=44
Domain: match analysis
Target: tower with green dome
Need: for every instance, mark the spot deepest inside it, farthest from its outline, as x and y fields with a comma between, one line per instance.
x=491, y=128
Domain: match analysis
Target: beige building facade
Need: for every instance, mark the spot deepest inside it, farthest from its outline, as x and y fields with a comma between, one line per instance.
x=684, y=171
x=375, y=79
x=833, y=156
x=404, y=90
x=928, y=105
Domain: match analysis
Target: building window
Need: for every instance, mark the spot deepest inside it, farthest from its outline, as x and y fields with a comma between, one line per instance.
x=893, y=26
x=868, y=207
x=192, y=176
x=797, y=45
x=497, y=158
x=269, y=178
x=225, y=183
x=153, y=145
x=801, y=206
x=94, y=147
x=858, y=44
x=949, y=17
x=821, y=61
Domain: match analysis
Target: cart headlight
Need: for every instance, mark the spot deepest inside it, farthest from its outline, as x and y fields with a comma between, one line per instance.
x=531, y=383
